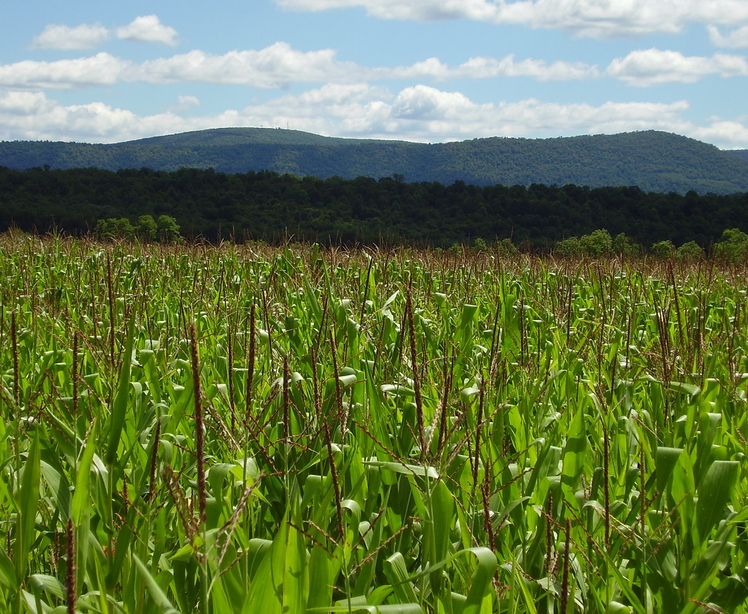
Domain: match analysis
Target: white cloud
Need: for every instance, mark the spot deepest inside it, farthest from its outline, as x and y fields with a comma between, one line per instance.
x=597, y=18
x=64, y=37
x=101, y=69
x=417, y=113
x=489, y=68
x=482, y=67
x=271, y=67
x=24, y=104
x=431, y=114
x=276, y=66
x=187, y=102
x=736, y=39
x=148, y=29
x=728, y=134
x=649, y=67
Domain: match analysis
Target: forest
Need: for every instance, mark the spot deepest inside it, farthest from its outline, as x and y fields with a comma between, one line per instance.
x=655, y=161
x=268, y=206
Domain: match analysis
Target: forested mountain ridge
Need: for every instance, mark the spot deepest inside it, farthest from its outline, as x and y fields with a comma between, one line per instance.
x=652, y=160
x=740, y=153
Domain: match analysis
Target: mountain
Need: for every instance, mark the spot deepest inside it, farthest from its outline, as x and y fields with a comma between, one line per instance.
x=653, y=161
x=740, y=153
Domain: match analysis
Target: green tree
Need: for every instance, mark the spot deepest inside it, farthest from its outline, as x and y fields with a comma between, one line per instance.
x=663, y=249
x=690, y=251
x=167, y=229
x=505, y=247
x=596, y=244
x=114, y=228
x=568, y=247
x=732, y=246
x=624, y=246
x=479, y=245
x=146, y=228
x=104, y=229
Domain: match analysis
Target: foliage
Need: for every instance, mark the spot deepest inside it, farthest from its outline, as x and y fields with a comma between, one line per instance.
x=654, y=161
x=569, y=248
x=596, y=244
x=146, y=228
x=246, y=429
x=732, y=246
x=663, y=249
x=690, y=251
x=505, y=247
x=624, y=246
x=165, y=230
x=480, y=245
x=271, y=207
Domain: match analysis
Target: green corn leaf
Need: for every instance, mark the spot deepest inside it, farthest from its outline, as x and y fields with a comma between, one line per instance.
x=405, y=468
x=404, y=608
x=154, y=590
x=397, y=575
x=27, y=502
x=714, y=493
x=665, y=461
x=80, y=505
x=120, y=403
x=320, y=584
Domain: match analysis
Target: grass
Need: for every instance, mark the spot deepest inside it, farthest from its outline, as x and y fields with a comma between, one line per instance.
x=249, y=429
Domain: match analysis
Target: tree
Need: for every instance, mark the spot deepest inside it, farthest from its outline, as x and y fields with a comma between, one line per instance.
x=596, y=244
x=505, y=247
x=146, y=228
x=624, y=246
x=689, y=251
x=167, y=229
x=732, y=246
x=663, y=249
x=568, y=247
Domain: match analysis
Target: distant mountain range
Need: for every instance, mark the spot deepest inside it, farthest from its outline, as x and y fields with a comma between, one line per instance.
x=654, y=161
x=740, y=153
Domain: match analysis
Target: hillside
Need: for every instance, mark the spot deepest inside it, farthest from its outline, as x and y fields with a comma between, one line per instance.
x=740, y=153
x=653, y=161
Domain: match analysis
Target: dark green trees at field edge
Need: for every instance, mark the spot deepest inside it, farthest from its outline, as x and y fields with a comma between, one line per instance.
x=732, y=247
x=162, y=230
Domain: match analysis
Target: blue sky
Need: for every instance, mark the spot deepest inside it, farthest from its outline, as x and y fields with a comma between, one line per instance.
x=417, y=70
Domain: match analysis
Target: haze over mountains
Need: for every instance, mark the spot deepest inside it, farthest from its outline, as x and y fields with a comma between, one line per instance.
x=653, y=161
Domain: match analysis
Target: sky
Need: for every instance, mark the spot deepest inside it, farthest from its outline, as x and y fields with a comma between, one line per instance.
x=415, y=70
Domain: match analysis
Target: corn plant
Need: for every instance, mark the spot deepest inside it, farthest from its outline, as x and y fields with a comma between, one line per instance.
x=247, y=429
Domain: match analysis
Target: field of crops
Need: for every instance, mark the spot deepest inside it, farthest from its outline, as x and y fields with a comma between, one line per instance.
x=245, y=429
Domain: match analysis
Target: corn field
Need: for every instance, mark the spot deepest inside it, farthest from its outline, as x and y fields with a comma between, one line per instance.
x=247, y=429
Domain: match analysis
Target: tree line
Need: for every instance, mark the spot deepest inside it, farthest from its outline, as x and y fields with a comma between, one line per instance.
x=269, y=206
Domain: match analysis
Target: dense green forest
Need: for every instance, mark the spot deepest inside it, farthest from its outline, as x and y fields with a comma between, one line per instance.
x=740, y=153
x=654, y=161
x=269, y=206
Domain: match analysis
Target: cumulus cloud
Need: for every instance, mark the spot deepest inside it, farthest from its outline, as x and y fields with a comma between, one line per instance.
x=101, y=69
x=187, y=102
x=649, y=67
x=276, y=66
x=489, y=68
x=146, y=29
x=434, y=114
x=417, y=113
x=65, y=37
x=728, y=134
x=736, y=39
x=596, y=18
x=271, y=67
